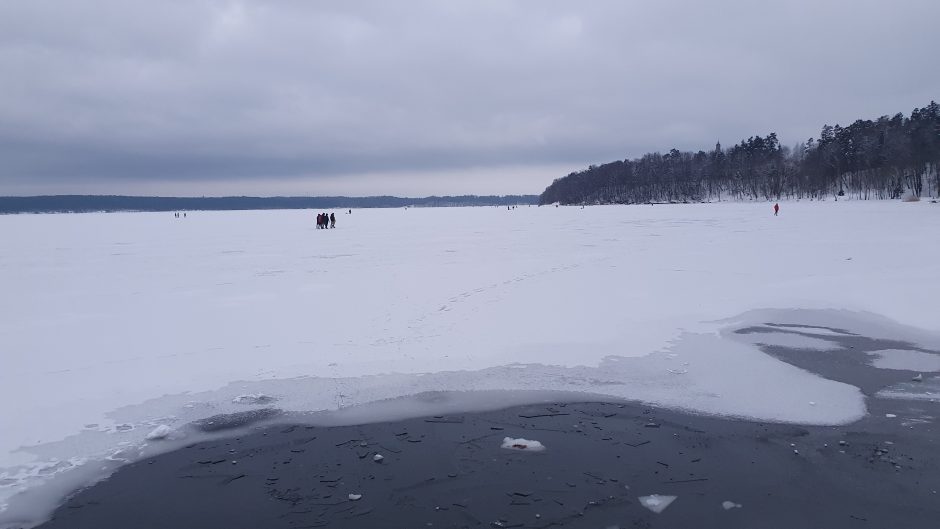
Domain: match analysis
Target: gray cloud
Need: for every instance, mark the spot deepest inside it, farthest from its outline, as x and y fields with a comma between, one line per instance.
x=178, y=97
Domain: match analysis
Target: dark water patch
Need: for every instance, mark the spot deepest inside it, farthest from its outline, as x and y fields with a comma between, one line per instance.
x=449, y=471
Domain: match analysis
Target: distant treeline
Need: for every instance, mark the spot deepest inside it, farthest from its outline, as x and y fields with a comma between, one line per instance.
x=886, y=158
x=89, y=203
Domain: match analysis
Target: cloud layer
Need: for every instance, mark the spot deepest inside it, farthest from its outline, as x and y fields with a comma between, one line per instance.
x=375, y=97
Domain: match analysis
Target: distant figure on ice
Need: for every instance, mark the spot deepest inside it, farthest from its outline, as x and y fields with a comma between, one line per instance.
x=350, y=212
x=319, y=220
x=332, y=220
x=776, y=209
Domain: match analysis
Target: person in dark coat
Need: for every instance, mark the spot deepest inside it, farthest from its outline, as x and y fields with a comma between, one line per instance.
x=776, y=209
x=332, y=220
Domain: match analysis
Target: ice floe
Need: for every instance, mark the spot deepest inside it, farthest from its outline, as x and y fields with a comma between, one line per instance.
x=656, y=502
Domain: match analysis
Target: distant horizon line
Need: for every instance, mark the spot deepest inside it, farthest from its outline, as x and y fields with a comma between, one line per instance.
x=98, y=203
x=98, y=195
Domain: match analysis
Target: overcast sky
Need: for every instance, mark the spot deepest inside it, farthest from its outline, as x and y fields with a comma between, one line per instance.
x=295, y=97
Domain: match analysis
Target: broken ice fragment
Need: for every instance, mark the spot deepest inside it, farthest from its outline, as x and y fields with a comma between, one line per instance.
x=919, y=377
x=160, y=432
x=728, y=505
x=378, y=458
x=354, y=497
x=522, y=444
x=656, y=502
x=253, y=398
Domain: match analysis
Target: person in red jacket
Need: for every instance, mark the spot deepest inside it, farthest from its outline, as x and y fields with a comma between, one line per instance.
x=776, y=209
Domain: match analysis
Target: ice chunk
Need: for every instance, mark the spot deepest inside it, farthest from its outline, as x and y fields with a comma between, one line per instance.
x=728, y=505
x=254, y=398
x=522, y=444
x=656, y=502
x=160, y=432
x=378, y=458
x=354, y=497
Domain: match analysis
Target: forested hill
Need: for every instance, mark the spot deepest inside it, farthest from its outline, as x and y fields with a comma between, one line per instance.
x=87, y=203
x=870, y=159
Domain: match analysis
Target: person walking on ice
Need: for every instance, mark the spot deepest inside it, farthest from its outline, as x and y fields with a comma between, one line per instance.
x=332, y=220
x=776, y=209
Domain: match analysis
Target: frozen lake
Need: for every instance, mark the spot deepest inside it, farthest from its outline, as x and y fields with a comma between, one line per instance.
x=114, y=324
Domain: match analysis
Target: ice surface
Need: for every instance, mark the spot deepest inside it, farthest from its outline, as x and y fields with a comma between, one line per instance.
x=129, y=321
x=924, y=389
x=906, y=359
x=656, y=502
x=813, y=329
x=522, y=444
x=795, y=341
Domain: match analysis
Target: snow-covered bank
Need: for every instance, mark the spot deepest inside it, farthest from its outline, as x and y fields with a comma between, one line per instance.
x=112, y=325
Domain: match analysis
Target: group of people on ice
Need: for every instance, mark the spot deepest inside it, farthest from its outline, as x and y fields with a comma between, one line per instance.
x=325, y=221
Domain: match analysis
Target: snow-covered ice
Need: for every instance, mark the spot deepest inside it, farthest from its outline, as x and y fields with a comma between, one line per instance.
x=526, y=445
x=130, y=321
